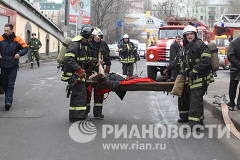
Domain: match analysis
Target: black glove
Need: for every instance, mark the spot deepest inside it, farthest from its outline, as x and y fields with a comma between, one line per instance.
x=193, y=75
x=186, y=73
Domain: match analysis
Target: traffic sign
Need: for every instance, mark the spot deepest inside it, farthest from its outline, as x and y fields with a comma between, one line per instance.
x=119, y=23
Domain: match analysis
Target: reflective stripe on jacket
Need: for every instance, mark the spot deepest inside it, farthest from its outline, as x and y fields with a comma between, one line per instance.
x=128, y=52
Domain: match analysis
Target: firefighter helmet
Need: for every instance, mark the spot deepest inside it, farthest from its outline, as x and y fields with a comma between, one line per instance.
x=97, y=32
x=86, y=32
x=189, y=29
x=125, y=36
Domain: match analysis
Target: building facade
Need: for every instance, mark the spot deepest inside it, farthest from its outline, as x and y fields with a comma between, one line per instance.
x=209, y=12
x=27, y=20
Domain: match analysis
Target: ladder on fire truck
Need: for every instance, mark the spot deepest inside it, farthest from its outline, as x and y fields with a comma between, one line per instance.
x=227, y=24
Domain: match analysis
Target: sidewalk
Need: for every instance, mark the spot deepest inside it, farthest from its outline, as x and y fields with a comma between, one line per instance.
x=220, y=87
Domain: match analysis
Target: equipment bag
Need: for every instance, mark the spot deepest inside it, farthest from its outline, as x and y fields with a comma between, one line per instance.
x=214, y=52
x=61, y=55
x=178, y=85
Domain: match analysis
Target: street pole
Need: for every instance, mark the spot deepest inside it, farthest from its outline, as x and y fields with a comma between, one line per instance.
x=76, y=24
x=122, y=23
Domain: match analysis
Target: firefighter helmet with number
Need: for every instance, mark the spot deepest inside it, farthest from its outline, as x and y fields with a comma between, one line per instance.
x=86, y=32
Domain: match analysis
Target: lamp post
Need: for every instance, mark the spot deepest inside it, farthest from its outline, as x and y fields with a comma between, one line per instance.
x=122, y=22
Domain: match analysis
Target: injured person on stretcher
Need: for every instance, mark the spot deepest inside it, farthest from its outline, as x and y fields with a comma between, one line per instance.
x=106, y=82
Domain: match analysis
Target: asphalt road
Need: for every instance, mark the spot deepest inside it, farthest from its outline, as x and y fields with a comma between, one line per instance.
x=37, y=125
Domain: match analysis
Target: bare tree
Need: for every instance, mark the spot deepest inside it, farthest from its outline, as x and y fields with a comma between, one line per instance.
x=234, y=6
x=105, y=13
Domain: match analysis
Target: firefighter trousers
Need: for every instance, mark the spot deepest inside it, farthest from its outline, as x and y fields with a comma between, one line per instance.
x=127, y=69
x=232, y=93
x=98, y=102
x=196, y=106
x=184, y=105
x=78, y=102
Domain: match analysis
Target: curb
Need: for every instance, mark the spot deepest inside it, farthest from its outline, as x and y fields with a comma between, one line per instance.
x=217, y=112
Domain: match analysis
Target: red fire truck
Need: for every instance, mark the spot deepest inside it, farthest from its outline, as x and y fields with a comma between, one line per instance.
x=227, y=24
x=157, y=57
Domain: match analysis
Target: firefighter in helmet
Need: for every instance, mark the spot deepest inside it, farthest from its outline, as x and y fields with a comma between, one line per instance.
x=99, y=46
x=195, y=65
x=78, y=64
x=128, y=53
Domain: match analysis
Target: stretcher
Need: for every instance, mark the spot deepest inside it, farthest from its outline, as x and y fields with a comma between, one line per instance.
x=144, y=86
x=147, y=86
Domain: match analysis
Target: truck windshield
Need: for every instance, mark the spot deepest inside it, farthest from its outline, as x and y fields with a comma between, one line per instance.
x=222, y=42
x=170, y=33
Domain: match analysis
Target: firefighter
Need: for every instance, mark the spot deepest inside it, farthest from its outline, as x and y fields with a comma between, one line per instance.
x=78, y=64
x=128, y=54
x=34, y=44
x=99, y=47
x=195, y=64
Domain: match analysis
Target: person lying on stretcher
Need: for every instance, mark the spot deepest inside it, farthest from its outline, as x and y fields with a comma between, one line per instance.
x=106, y=80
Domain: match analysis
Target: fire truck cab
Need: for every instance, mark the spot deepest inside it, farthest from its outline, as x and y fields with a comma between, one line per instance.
x=157, y=57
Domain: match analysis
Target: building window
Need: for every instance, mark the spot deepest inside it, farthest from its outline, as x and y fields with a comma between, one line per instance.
x=211, y=17
x=212, y=8
x=150, y=21
x=202, y=9
x=201, y=17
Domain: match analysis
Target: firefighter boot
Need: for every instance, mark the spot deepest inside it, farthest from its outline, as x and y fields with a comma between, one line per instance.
x=180, y=120
x=38, y=64
x=99, y=115
x=31, y=66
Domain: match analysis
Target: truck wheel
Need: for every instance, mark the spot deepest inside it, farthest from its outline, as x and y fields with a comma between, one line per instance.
x=152, y=72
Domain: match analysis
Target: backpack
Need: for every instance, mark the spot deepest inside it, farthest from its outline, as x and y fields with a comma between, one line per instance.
x=214, y=52
x=60, y=58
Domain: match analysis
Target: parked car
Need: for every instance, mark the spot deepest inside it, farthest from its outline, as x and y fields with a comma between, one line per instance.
x=114, y=53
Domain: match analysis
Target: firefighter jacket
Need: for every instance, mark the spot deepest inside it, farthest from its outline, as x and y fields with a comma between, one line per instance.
x=78, y=55
x=195, y=57
x=128, y=52
x=102, y=48
x=9, y=46
x=36, y=43
x=234, y=58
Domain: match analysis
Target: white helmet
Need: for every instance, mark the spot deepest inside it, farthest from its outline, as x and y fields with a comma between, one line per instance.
x=125, y=36
x=189, y=29
x=97, y=32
